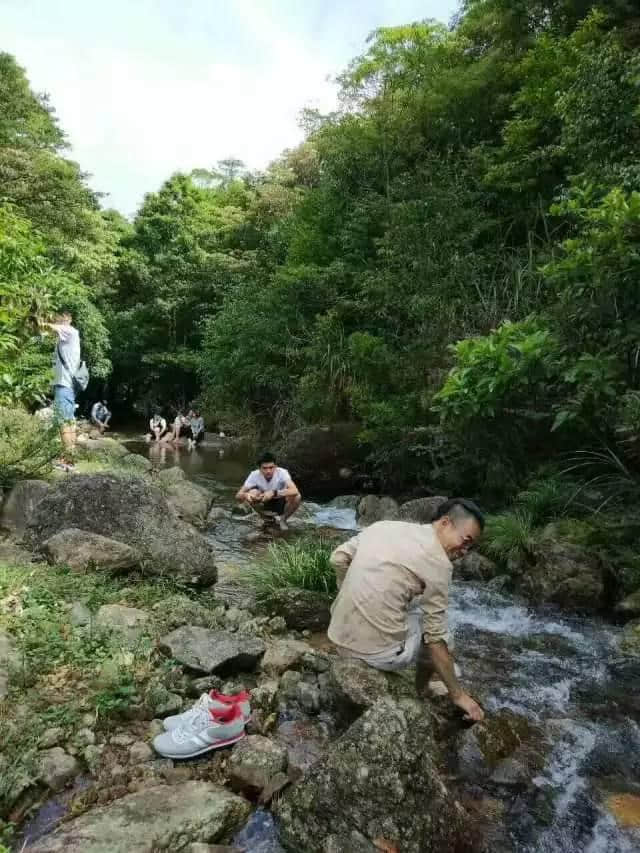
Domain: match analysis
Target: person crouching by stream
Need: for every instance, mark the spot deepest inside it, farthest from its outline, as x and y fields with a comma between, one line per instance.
x=270, y=491
x=393, y=591
x=158, y=428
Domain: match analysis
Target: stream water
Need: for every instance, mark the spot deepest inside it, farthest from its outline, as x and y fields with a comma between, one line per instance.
x=565, y=674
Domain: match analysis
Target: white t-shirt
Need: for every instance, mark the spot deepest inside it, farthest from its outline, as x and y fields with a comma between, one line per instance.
x=256, y=480
x=154, y=423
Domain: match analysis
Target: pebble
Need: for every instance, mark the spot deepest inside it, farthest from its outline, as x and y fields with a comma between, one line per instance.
x=278, y=625
x=84, y=737
x=121, y=740
x=139, y=752
x=308, y=696
x=155, y=728
x=51, y=737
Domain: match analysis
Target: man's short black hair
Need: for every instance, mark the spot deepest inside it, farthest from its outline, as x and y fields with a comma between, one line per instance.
x=460, y=507
x=65, y=309
x=266, y=458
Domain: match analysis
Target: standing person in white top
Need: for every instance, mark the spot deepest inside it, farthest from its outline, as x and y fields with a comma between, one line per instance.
x=270, y=489
x=66, y=361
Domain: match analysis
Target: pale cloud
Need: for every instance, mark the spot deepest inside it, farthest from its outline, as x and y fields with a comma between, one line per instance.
x=148, y=88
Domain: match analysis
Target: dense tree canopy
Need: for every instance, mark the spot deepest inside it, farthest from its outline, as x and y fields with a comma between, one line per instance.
x=450, y=259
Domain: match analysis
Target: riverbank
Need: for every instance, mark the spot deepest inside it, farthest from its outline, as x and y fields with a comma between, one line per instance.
x=99, y=653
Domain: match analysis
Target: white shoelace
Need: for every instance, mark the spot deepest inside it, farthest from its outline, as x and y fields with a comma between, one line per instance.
x=200, y=718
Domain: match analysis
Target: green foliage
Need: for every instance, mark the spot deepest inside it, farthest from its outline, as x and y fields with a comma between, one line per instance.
x=301, y=565
x=27, y=446
x=509, y=536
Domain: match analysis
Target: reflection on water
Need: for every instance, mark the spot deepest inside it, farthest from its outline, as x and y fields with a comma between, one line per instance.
x=223, y=466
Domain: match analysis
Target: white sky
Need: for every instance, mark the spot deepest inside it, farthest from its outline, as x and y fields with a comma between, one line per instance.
x=144, y=88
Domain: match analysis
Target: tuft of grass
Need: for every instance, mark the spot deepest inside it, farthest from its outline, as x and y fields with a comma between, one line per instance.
x=300, y=565
x=546, y=499
x=509, y=536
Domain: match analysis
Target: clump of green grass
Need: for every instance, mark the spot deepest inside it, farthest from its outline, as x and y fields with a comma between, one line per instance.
x=299, y=565
x=509, y=536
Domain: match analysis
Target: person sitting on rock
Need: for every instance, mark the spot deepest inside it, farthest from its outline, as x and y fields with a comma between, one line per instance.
x=181, y=427
x=157, y=428
x=197, y=428
x=393, y=590
x=100, y=415
x=270, y=490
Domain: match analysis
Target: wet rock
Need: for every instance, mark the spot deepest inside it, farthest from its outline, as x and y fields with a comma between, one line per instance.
x=213, y=848
x=255, y=760
x=319, y=456
x=380, y=779
x=140, y=752
x=283, y=655
x=80, y=550
x=19, y=505
x=475, y=567
x=306, y=742
x=171, y=476
x=421, y=510
x=500, y=583
x=630, y=640
x=302, y=609
x=345, y=502
x=374, y=508
x=56, y=768
x=355, y=686
x=504, y=744
x=127, y=621
x=136, y=463
x=308, y=696
x=566, y=574
x=629, y=607
x=264, y=695
x=189, y=501
x=625, y=807
x=80, y=614
x=278, y=625
x=208, y=651
x=316, y=661
x=130, y=510
x=216, y=514
x=9, y=659
x=289, y=684
x=161, y=817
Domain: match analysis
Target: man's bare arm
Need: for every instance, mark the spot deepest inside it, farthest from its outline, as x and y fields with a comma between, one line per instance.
x=443, y=664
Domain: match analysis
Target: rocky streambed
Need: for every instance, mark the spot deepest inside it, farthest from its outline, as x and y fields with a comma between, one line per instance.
x=338, y=758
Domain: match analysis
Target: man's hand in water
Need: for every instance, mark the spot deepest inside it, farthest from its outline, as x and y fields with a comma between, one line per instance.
x=472, y=710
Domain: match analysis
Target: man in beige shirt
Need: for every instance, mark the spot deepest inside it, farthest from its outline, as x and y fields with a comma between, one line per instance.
x=393, y=581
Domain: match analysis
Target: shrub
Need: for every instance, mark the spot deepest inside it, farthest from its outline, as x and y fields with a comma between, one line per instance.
x=27, y=446
x=301, y=565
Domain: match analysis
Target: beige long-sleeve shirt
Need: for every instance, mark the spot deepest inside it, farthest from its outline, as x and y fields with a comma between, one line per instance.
x=380, y=572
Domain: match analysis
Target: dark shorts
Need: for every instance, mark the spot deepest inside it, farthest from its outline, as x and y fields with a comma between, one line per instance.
x=185, y=432
x=199, y=437
x=276, y=505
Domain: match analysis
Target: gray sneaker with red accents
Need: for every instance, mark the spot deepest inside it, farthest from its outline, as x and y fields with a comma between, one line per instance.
x=207, y=730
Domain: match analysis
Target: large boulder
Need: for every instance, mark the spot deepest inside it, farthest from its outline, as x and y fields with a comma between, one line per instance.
x=80, y=549
x=629, y=606
x=130, y=510
x=421, y=510
x=56, y=768
x=283, y=655
x=202, y=650
x=254, y=762
x=381, y=780
x=302, y=609
x=323, y=459
x=504, y=747
x=189, y=501
x=161, y=817
x=372, y=508
x=566, y=574
x=20, y=503
x=475, y=567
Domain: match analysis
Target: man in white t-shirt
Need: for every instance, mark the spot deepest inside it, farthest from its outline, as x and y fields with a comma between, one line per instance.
x=271, y=490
